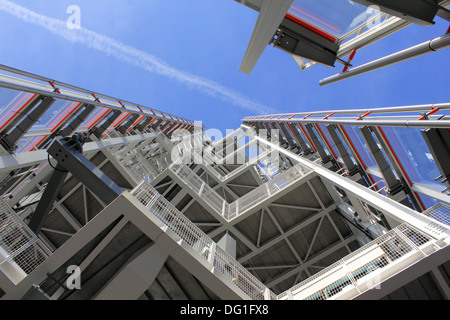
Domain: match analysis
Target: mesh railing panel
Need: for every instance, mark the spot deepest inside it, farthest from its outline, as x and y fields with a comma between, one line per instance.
x=379, y=253
x=19, y=245
x=439, y=212
x=200, y=242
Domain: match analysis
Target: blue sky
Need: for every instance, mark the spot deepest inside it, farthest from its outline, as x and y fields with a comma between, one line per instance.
x=185, y=56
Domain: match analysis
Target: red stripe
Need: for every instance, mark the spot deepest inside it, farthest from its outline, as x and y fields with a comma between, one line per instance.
x=429, y=113
x=363, y=116
x=18, y=111
x=37, y=144
x=310, y=27
x=121, y=118
x=65, y=117
x=401, y=167
x=325, y=118
x=98, y=119
x=327, y=143
x=395, y=156
x=353, y=147
x=307, y=137
x=352, y=55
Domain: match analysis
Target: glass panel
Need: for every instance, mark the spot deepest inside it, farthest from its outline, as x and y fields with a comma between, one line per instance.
x=359, y=144
x=319, y=137
x=51, y=112
x=336, y=17
x=94, y=117
x=120, y=119
x=300, y=132
x=57, y=113
x=428, y=202
x=330, y=141
x=29, y=144
x=346, y=147
x=414, y=155
x=11, y=104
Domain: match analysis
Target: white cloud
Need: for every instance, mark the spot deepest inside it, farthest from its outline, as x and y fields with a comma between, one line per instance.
x=133, y=56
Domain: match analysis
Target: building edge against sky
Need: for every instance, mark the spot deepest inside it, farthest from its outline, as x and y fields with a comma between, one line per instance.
x=339, y=204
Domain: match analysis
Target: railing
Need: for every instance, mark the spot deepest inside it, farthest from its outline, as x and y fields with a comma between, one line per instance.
x=360, y=266
x=199, y=186
x=278, y=183
x=439, y=212
x=222, y=262
x=351, y=275
x=241, y=205
x=20, y=249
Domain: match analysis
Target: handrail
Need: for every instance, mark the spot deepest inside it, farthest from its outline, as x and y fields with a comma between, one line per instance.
x=75, y=94
x=349, y=277
x=364, y=268
x=193, y=236
x=230, y=211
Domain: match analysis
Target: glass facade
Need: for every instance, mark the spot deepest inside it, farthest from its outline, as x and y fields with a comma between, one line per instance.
x=335, y=17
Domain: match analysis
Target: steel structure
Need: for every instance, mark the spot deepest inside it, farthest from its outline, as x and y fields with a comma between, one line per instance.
x=102, y=198
x=326, y=32
x=293, y=206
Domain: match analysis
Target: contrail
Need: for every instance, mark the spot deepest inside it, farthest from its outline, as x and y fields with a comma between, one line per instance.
x=133, y=56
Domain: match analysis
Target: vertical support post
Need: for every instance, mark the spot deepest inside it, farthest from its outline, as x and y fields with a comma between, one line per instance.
x=49, y=196
x=98, y=132
x=303, y=146
x=351, y=167
x=123, y=128
x=67, y=131
x=18, y=132
x=438, y=141
x=380, y=160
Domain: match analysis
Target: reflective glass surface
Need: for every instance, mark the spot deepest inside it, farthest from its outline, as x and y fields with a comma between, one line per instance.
x=12, y=103
x=336, y=17
x=329, y=141
x=414, y=155
x=94, y=117
x=360, y=145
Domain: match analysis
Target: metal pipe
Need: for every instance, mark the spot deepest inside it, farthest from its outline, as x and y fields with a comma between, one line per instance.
x=72, y=87
x=382, y=123
x=416, y=108
x=74, y=98
x=412, y=52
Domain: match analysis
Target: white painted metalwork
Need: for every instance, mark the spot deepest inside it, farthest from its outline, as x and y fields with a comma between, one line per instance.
x=242, y=205
x=354, y=274
x=21, y=251
x=74, y=93
x=389, y=207
x=366, y=267
x=439, y=212
x=412, y=52
x=191, y=235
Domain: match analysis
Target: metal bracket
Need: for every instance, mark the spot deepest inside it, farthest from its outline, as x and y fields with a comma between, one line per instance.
x=298, y=40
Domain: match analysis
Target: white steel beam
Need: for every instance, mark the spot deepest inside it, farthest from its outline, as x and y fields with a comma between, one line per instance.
x=136, y=277
x=270, y=17
x=412, y=52
x=12, y=162
x=389, y=207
